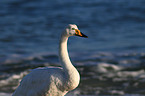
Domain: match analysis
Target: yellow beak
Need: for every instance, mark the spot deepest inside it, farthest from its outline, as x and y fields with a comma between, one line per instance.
x=78, y=33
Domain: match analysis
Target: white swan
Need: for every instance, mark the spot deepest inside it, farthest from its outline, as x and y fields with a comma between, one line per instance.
x=53, y=81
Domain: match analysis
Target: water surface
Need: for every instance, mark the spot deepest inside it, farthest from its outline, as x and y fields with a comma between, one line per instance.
x=111, y=61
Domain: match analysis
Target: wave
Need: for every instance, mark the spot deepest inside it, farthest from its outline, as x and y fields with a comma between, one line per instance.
x=5, y=94
x=100, y=71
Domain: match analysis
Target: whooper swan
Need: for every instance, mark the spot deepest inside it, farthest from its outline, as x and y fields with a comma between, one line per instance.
x=53, y=81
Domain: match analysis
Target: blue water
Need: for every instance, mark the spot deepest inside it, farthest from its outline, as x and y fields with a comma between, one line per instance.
x=30, y=31
x=35, y=26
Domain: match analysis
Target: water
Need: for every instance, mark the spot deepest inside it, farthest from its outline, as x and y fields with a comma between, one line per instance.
x=111, y=61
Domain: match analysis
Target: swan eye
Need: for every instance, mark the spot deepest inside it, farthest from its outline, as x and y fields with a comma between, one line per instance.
x=73, y=28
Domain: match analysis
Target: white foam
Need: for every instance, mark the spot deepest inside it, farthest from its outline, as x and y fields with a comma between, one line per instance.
x=13, y=78
x=116, y=92
x=130, y=73
x=5, y=94
x=105, y=67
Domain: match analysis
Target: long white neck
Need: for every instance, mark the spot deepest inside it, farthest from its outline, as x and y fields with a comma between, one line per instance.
x=71, y=73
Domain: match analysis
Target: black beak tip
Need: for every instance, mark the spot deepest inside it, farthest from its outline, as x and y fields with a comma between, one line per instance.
x=83, y=35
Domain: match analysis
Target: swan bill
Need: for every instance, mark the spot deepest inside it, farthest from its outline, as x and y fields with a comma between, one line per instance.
x=78, y=33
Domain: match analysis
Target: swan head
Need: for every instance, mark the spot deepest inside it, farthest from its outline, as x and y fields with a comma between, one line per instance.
x=72, y=30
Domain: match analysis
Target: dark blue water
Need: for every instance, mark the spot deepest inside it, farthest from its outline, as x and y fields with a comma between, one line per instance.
x=29, y=37
x=35, y=26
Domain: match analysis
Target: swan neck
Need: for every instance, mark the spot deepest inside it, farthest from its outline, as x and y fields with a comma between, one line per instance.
x=63, y=53
x=71, y=74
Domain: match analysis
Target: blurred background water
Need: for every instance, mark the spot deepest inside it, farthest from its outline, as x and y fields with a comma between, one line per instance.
x=111, y=61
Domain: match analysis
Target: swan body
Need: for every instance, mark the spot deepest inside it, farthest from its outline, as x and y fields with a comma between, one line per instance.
x=54, y=81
